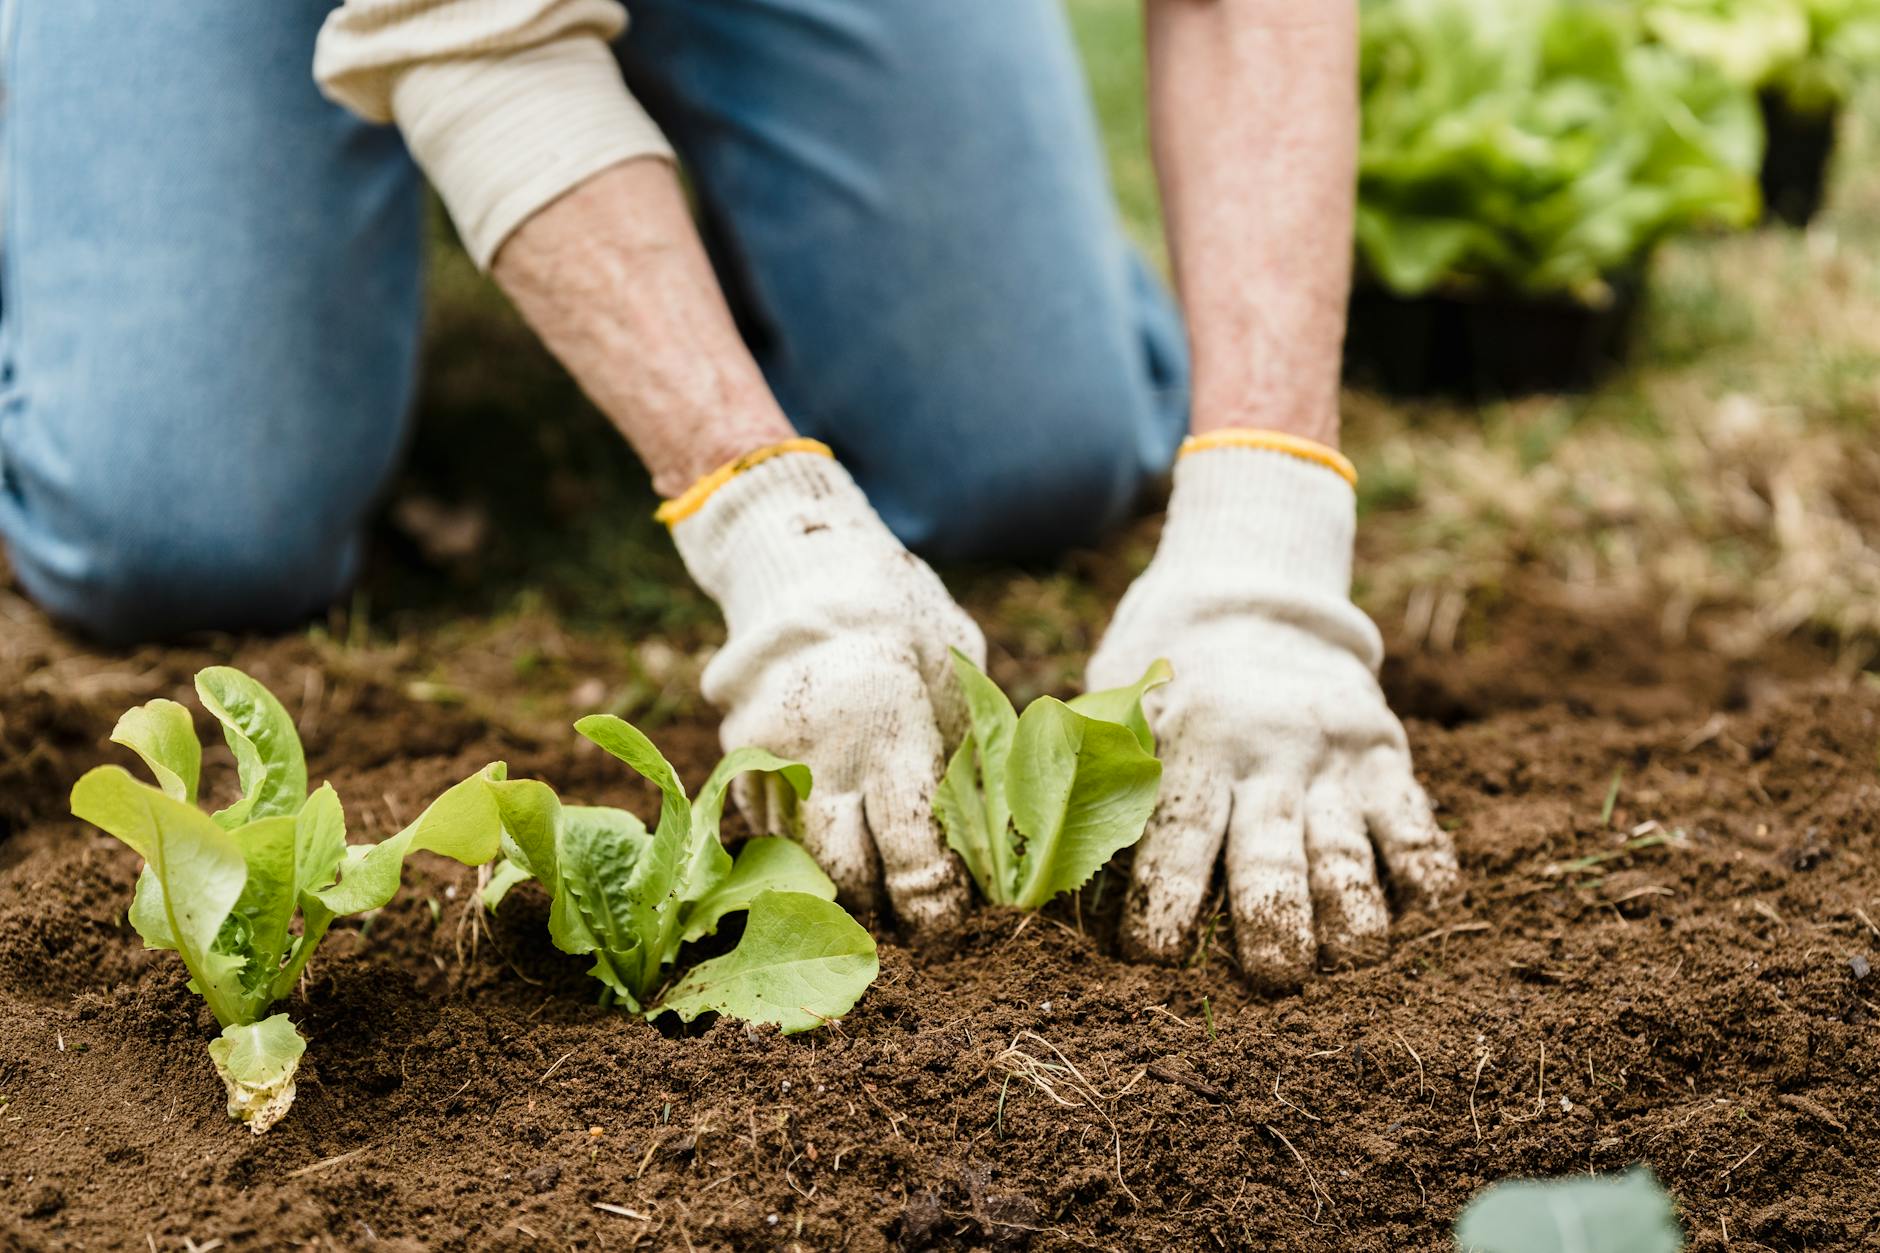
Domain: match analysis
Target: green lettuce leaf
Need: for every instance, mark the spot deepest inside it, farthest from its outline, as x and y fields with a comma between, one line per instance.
x=268, y=757
x=595, y=909
x=649, y=902
x=1080, y=789
x=801, y=962
x=163, y=734
x=221, y=890
x=1123, y=705
x=1811, y=53
x=764, y=864
x=1034, y=805
x=319, y=846
x=267, y=903
x=531, y=819
x=633, y=893
x=319, y=841
x=1630, y=1214
x=504, y=875
x=462, y=824
x=1541, y=147
x=195, y=868
x=632, y=899
x=970, y=801
x=1749, y=42
x=960, y=805
x=149, y=913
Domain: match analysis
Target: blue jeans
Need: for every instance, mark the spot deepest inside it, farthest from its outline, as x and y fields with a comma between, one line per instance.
x=212, y=285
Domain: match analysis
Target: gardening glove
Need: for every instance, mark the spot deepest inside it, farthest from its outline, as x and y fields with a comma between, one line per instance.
x=1274, y=735
x=836, y=657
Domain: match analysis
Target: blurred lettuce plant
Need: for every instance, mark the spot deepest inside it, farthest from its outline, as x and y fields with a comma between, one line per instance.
x=1750, y=42
x=1539, y=147
x=1813, y=52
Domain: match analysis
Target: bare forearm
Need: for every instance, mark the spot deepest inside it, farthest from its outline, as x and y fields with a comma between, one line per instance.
x=613, y=278
x=1253, y=109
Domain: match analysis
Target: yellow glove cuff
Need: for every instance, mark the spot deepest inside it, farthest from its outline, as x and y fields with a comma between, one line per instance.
x=693, y=498
x=1274, y=441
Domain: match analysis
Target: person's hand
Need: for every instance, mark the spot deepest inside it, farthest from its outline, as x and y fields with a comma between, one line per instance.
x=836, y=657
x=1274, y=736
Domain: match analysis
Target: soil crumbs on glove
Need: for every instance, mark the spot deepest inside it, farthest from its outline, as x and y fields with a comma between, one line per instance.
x=1687, y=982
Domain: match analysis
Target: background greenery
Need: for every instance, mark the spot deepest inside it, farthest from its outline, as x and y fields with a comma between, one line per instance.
x=1726, y=481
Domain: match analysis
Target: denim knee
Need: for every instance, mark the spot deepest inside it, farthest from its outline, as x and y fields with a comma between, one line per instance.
x=211, y=285
x=129, y=573
x=1026, y=443
x=1036, y=470
x=912, y=214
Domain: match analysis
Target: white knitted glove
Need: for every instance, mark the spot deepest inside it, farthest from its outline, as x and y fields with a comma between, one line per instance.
x=836, y=657
x=1274, y=735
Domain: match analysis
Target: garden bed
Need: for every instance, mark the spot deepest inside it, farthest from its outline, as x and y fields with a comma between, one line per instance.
x=1703, y=1003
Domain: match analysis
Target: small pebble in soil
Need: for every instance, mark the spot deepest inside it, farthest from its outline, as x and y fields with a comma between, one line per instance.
x=771, y=1219
x=597, y=1132
x=786, y=1085
x=1860, y=966
x=543, y=1178
x=1044, y=1007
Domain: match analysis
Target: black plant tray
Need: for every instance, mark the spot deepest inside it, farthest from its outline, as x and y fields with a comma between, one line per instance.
x=1480, y=347
x=1795, y=163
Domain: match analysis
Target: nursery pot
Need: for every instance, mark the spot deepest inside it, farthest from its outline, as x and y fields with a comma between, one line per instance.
x=1478, y=346
x=1795, y=161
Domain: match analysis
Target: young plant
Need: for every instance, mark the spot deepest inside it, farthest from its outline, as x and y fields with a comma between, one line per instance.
x=631, y=899
x=1035, y=805
x=1628, y=1214
x=221, y=890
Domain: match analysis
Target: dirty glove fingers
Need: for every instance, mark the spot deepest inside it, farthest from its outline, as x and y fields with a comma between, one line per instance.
x=1268, y=884
x=836, y=655
x=1174, y=866
x=922, y=877
x=1418, y=853
x=1352, y=918
x=835, y=832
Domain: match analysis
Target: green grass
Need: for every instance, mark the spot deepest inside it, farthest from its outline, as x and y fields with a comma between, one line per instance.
x=1109, y=36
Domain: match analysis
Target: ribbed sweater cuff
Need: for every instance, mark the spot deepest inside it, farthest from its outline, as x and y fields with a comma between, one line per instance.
x=503, y=135
x=1262, y=514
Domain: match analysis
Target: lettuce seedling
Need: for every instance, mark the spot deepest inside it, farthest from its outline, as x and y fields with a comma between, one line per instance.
x=1626, y=1214
x=221, y=890
x=1035, y=805
x=631, y=899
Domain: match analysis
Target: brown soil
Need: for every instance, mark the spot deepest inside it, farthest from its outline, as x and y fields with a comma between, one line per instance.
x=1703, y=1005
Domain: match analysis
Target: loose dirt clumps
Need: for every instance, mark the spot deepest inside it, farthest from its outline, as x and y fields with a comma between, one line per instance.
x=1685, y=980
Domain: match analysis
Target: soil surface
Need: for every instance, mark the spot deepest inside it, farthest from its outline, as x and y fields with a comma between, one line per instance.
x=1686, y=982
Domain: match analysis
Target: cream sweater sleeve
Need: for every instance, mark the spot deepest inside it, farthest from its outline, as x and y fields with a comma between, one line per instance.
x=506, y=104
